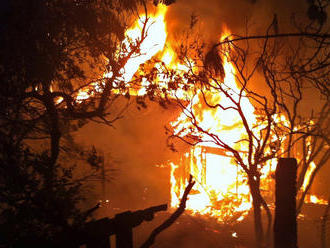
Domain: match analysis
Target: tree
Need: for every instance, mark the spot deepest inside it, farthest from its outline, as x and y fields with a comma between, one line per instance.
x=49, y=55
x=252, y=150
x=287, y=65
x=307, y=135
x=38, y=200
x=302, y=72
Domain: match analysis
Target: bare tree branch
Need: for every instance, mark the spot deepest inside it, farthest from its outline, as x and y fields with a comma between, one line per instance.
x=167, y=223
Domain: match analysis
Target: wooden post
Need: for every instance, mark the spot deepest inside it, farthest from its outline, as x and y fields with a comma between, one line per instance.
x=124, y=237
x=99, y=243
x=124, y=224
x=285, y=224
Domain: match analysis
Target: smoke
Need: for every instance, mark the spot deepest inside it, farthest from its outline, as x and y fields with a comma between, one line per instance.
x=190, y=231
x=137, y=146
x=240, y=16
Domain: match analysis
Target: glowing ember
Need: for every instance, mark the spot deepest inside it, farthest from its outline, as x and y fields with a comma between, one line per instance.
x=316, y=200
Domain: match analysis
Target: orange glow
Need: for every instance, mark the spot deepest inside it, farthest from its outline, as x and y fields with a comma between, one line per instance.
x=309, y=197
x=154, y=29
x=221, y=189
x=152, y=44
x=316, y=200
x=308, y=175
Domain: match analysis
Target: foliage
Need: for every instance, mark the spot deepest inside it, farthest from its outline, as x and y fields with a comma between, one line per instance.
x=37, y=199
x=50, y=51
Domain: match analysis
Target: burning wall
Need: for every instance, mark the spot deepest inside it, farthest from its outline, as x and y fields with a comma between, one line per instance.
x=221, y=190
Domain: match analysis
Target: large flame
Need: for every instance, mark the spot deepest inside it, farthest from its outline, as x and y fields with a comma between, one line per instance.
x=221, y=190
x=153, y=43
x=153, y=30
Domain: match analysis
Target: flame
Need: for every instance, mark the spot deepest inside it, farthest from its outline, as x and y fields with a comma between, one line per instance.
x=308, y=175
x=310, y=198
x=315, y=200
x=221, y=190
x=153, y=43
x=153, y=29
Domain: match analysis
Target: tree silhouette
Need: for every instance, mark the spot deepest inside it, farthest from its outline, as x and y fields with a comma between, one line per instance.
x=50, y=52
x=285, y=66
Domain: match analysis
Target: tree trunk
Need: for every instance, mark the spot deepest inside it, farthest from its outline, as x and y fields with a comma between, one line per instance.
x=256, y=202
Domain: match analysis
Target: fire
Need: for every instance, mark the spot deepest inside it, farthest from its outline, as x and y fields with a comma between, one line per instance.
x=153, y=28
x=316, y=200
x=308, y=175
x=309, y=197
x=153, y=43
x=221, y=190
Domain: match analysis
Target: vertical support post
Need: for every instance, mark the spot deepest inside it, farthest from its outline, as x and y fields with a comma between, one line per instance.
x=285, y=224
x=124, y=237
x=124, y=233
x=99, y=243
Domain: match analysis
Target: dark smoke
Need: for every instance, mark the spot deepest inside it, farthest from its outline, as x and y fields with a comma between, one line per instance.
x=240, y=16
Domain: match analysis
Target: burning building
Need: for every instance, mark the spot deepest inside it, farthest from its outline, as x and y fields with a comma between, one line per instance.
x=233, y=130
x=222, y=189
